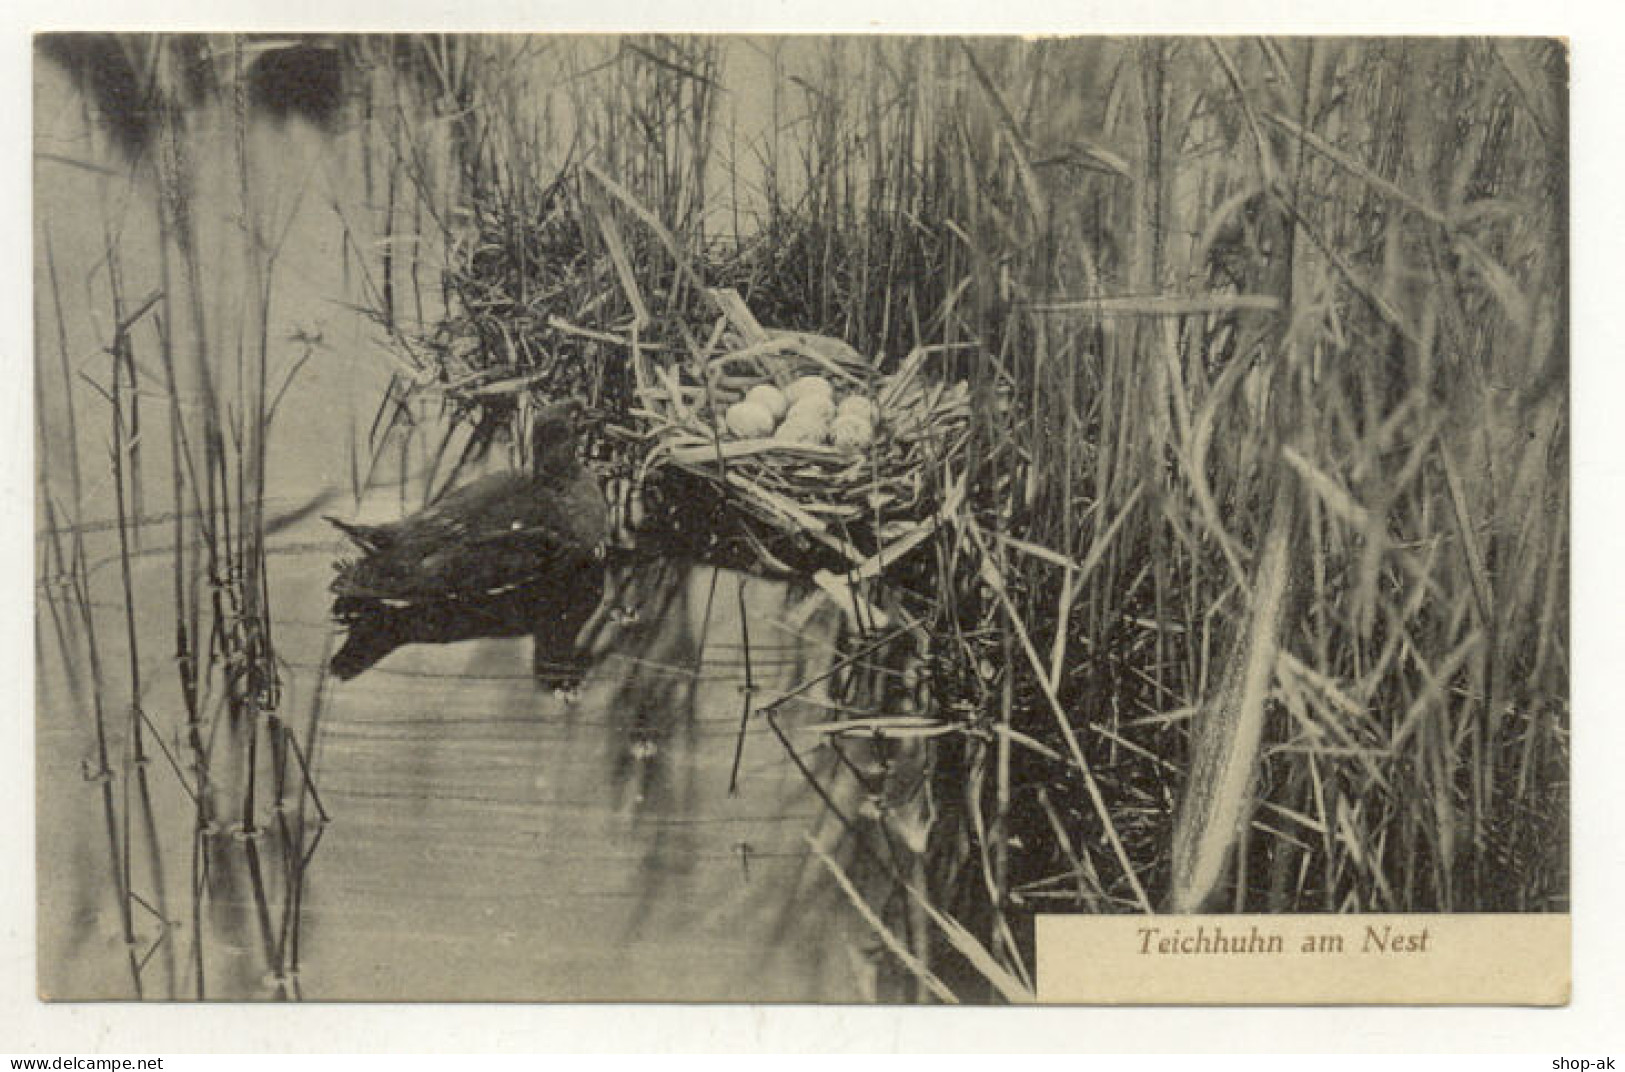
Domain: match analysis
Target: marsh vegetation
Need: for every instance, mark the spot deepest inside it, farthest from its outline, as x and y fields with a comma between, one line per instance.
x=1225, y=568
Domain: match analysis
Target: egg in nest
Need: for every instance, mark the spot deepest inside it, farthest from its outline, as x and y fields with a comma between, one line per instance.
x=798, y=430
x=811, y=409
x=769, y=398
x=747, y=420
x=807, y=387
x=857, y=407
x=851, y=432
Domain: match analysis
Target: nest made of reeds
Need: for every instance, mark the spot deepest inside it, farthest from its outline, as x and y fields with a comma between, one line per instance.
x=859, y=499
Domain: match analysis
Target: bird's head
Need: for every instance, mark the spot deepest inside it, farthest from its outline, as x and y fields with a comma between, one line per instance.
x=553, y=435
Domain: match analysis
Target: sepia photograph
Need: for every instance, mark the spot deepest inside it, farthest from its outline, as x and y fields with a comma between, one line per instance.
x=819, y=519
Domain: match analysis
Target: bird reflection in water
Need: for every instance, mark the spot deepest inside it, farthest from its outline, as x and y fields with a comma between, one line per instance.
x=552, y=614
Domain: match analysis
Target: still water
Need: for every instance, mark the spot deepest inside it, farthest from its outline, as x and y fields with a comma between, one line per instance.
x=490, y=839
x=486, y=838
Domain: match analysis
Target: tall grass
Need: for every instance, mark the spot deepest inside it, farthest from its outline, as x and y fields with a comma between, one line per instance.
x=1227, y=301
x=1265, y=546
x=1255, y=595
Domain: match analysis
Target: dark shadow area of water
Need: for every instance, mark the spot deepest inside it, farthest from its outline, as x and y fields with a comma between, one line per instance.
x=541, y=609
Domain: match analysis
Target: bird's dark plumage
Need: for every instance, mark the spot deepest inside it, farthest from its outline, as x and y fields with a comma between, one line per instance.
x=533, y=530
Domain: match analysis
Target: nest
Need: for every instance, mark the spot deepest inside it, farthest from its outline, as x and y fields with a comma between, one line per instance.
x=864, y=502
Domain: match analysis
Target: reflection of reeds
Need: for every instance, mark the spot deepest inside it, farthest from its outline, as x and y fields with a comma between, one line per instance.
x=68, y=570
x=231, y=735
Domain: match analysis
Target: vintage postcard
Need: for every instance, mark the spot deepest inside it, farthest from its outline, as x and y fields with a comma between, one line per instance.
x=802, y=519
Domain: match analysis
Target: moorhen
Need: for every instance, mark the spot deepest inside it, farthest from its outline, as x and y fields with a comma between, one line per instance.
x=510, y=553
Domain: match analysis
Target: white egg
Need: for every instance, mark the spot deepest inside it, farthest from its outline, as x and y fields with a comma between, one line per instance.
x=813, y=409
x=747, y=420
x=851, y=433
x=856, y=406
x=769, y=398
x=802, y=431
x=808, y=386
